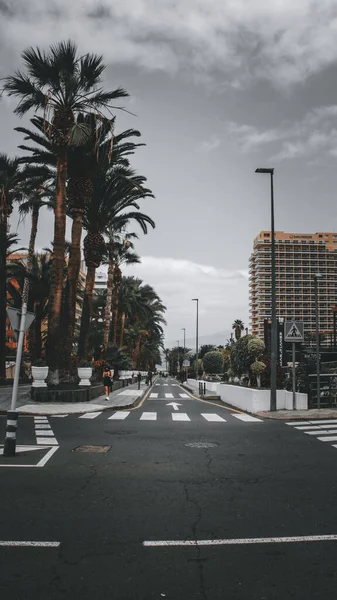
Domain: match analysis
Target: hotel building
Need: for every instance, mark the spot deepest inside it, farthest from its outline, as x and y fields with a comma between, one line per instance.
x=299, y=257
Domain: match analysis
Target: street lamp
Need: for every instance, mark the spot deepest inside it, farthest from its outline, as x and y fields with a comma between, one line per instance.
x=184, y=330
x=273, y=353
x=178, y=368
x=317, y=276
x=197, y=338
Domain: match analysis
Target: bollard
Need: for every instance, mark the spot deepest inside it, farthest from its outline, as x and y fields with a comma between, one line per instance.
x=11, y=427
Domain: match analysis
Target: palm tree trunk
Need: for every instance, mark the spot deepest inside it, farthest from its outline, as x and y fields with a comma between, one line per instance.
x=115, y=313
x=72, y=286
x=31, y=249
x=57, y=274
x=3, y=296
x=107, y=315
x=122, y=330
x=86, y=313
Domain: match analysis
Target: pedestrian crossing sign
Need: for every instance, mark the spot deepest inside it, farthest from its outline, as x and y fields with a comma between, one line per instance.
x=294, y=331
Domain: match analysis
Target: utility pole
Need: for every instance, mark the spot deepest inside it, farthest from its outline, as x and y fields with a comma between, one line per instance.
x=197, y=338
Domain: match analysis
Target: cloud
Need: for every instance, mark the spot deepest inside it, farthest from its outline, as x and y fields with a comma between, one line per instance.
x=208, y=145
x=281, y=41
x=222, y=293
x=314, y=134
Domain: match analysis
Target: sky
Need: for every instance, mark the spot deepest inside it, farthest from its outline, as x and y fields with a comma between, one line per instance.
x=217, y=89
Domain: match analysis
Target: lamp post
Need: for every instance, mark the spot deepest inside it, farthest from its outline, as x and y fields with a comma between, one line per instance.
x=273, y=353
x=197, y=338
x=317, y=276
x=178, y=367
x=184, y=330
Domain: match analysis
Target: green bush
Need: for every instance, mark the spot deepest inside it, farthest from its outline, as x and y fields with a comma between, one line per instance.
x=213, y=362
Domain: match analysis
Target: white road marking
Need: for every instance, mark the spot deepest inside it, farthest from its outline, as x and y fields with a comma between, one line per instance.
x=243, y=541
x=180, y=417
x=317, y=421
x=47, y=441
x=166, y=384
x=184, y=395
x=328, y=438
x=47, y=457
x=42, y=426
x=212, y=417
x=308, y=427
x=41, y=463
x=91, y=415
x=130, y=393
x=148, y=416
x=247, y=418
x=321, y=432
x=119, y=416
x=299, y=423
x=174, y=384
x=153, y=395
x=59, y=416
x=169, y=396
x=45, y=432
x=19, y=544
x=39, y=420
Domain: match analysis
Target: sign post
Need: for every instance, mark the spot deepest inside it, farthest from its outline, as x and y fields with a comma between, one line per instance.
x=20, y=322
x=294, y=333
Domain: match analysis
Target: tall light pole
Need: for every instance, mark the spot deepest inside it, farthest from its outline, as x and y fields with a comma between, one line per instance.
x=317, y=276
x=197, y=338
x=178, y=368
x=184, y=330
x=273, y=353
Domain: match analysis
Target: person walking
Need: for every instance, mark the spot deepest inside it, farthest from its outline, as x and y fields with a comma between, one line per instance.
x=149, y=377
x=107, y=382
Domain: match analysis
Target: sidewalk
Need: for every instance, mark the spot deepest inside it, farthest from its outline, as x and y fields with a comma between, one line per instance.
x=297, y=415
x=119, y=399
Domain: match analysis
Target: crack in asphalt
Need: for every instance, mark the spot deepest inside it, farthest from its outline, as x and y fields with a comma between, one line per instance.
x=198, y=558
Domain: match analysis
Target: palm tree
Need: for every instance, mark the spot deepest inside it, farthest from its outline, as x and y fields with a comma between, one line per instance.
x=10, y=191
x=238, y=327
x=114, y=194
x=62, y=84
x=38, y=274
x=120, y=252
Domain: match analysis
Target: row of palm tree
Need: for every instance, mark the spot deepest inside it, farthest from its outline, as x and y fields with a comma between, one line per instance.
x=74, y=163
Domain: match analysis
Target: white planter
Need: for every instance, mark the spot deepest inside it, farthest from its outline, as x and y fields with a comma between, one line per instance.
x=39, y=376
x=84, y=374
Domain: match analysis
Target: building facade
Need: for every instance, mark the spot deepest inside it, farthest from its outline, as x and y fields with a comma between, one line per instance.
x=298, y=258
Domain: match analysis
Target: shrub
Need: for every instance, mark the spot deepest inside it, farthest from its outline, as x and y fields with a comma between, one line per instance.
x=213, y=362
x=84, y=364
x=39, y=362
x=256, y=348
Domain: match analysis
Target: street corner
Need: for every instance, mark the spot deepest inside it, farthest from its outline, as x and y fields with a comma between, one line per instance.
x=27, y=456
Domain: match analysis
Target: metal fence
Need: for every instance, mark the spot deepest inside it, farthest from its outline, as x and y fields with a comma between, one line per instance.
x=328, y=390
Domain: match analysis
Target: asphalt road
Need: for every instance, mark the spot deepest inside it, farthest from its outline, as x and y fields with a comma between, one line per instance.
x=256, y=479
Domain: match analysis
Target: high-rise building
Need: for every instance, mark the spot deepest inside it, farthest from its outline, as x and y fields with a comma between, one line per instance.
x=299, y=257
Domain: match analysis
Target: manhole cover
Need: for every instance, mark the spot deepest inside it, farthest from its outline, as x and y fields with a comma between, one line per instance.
x=93, y=449
x=201, y=445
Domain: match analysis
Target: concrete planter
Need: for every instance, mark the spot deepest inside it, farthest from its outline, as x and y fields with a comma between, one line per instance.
x=85, y=374
x=39, y=375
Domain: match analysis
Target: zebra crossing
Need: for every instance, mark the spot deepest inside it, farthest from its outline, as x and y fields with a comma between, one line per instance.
x=325, y=430
x=167, y=395
x=121, y=415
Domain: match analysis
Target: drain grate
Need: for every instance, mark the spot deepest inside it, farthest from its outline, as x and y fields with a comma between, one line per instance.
x=93, y=449
x=201, y=445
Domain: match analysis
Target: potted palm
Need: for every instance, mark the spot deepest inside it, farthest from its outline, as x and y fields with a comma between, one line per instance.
x=84, y=371
x=39, y=373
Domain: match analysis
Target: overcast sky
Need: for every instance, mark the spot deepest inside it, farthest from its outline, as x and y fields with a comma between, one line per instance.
x=219, y=87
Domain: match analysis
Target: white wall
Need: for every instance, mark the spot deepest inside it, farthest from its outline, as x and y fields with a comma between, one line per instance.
x=253, y=400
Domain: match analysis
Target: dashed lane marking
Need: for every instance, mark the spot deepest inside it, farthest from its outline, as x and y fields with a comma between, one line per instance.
x=212, y=417
x=247, y=418
x=91, y=415
x=149, y=416
x=120, y=416
x=180, y=417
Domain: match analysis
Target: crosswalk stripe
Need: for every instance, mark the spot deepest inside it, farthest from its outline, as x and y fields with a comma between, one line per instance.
x=321, y=432
x=91, y=415
x=180, y=417
x=323, y=422
x=47, y=441
x=308, y=427
x=247, y=418
x=169, y=396
x=184, y=395
x=59, y=416
x=120, y=416
x=153, y=395
x=45, y=432
x=148, y=416
x=332, y=438
x=299, y=423
x=212, y=417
